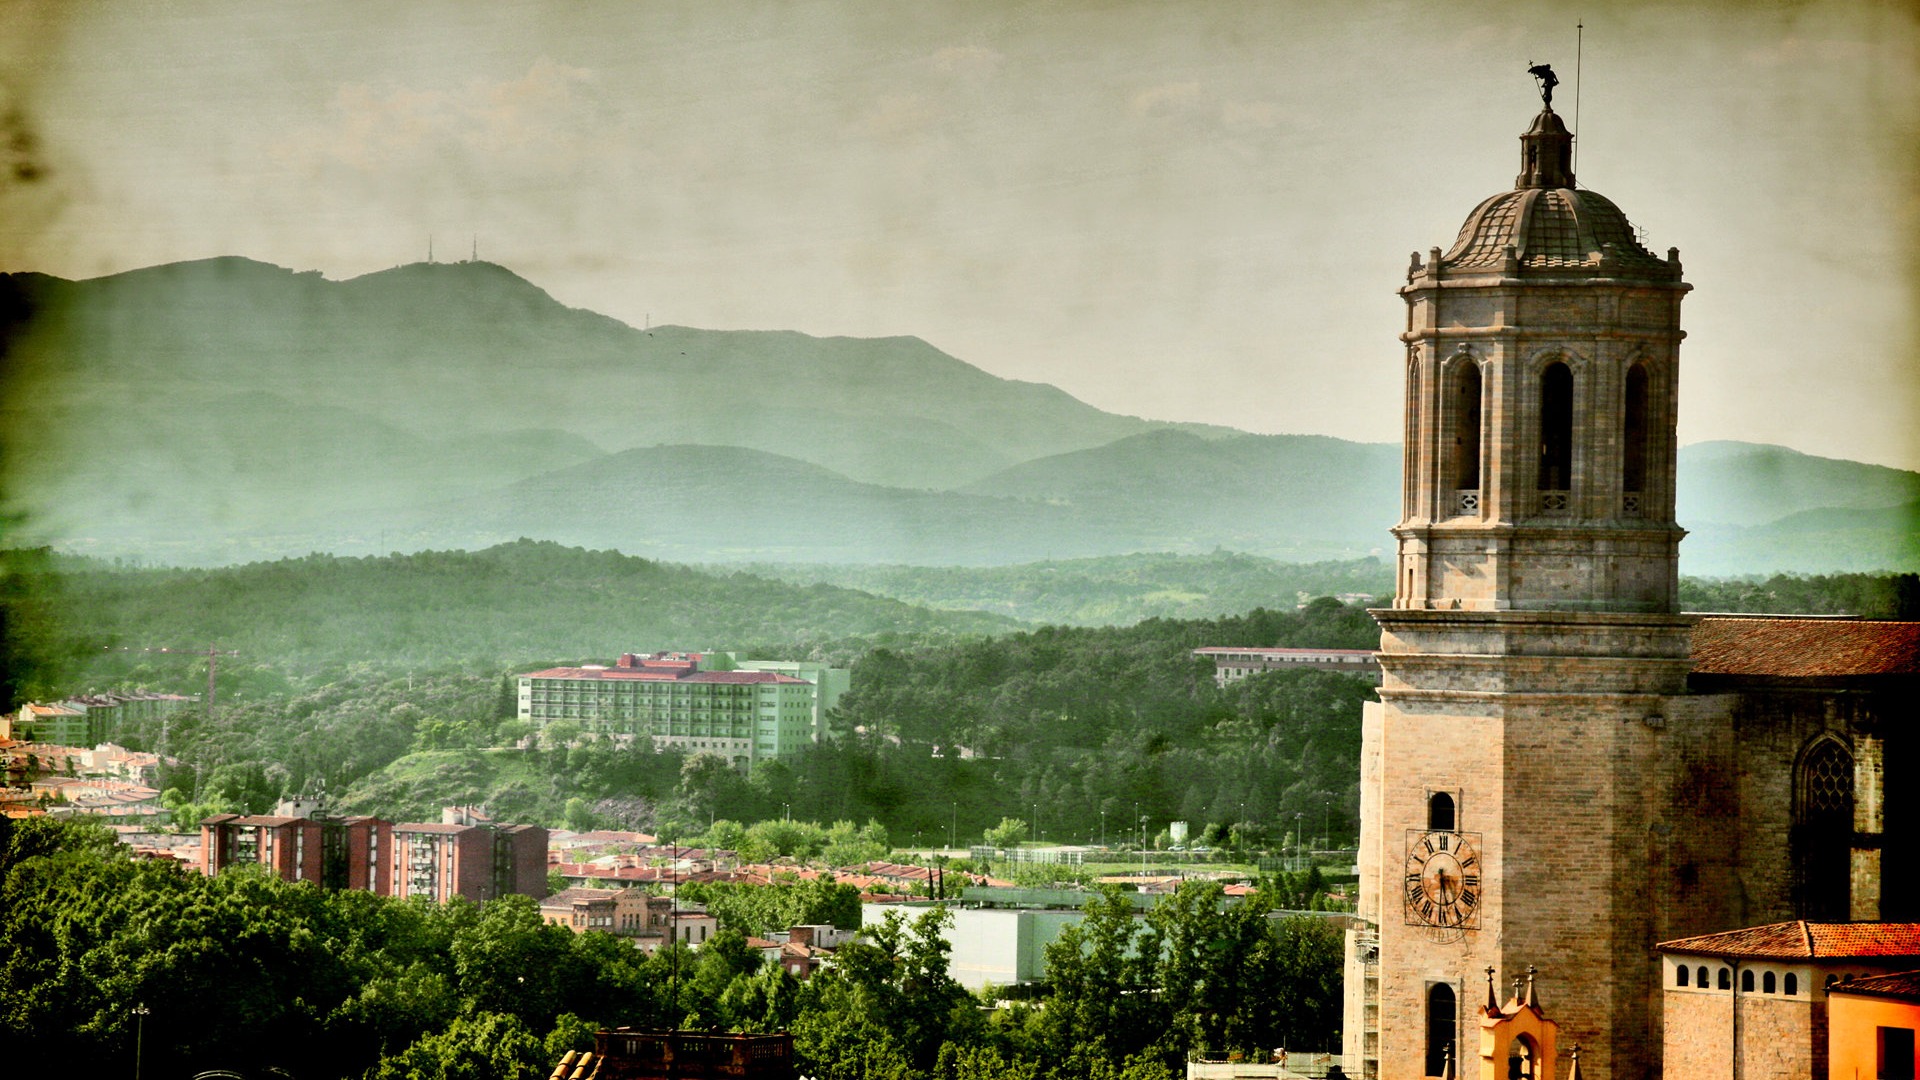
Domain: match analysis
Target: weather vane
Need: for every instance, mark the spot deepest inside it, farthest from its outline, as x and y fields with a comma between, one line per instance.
x=1547, y=79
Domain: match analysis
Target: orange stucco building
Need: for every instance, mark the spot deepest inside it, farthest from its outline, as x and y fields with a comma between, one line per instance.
x=1871, y=1025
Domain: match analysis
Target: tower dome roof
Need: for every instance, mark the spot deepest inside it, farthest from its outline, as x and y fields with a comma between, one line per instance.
x=1556, y=228
x=1549, y=223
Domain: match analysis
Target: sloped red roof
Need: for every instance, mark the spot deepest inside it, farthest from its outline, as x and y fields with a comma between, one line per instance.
x=672, y=675
x=1802, y=940
x=1805, y=648
x=1904, y=986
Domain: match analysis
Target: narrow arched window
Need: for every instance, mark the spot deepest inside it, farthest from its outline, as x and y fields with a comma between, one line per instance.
x=1823, y=832
x=1726, y=979
x=1440, y=1026
x=1746, y=981
x=1793, y=984
x=1633, y=436
x=1466, y=429
x=1680, y=975
x=1768, y=984
x=1701, y=982
x=1556, y=428
x=1440, y=812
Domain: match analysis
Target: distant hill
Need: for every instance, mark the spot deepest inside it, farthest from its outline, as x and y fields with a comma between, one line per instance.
x=1741, y=483
x=715, y=503
x=1300, y=498
x=226, y=411
x=221, y=391
x=1754, y=508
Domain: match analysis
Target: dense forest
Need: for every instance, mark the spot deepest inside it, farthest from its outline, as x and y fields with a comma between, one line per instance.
x=73, y=622
x=101, y=953
x=385, y=682
x=1115, y=590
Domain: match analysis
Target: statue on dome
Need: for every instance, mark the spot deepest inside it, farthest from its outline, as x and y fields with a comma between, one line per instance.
x=1548, y=80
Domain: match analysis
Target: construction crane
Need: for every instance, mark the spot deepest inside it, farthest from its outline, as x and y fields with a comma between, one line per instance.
x=213, y=653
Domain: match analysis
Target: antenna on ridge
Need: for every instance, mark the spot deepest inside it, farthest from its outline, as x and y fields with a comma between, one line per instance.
x=1579, y=41
x=475, y=257
x=429, y=247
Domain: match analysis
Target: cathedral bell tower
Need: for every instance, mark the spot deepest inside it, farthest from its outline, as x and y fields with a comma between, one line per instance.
x=1541, y=378
x=1534, y=668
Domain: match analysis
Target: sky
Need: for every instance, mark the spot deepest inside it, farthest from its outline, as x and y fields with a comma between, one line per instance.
x=1189, y=211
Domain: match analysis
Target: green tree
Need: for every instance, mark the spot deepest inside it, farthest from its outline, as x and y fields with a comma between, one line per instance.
x=1010, y=833
x=508, y=960
x=1102, y=975
x=485, y=1046
x=891, y=995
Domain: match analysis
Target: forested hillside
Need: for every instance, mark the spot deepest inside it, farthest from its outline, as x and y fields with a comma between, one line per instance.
x=385, y=682
x=1113, y=591
x=510, y=605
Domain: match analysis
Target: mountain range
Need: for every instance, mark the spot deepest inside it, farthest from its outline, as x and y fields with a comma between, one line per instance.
x=227, y=410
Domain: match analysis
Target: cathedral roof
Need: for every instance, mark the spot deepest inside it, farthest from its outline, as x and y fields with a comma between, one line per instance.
x=1549, y=223
x=1802, y=940
x=1804, y=648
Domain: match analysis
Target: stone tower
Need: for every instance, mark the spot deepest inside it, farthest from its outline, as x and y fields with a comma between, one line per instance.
x=1515, y=775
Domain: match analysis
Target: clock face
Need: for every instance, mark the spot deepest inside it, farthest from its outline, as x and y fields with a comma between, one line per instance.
x=1442, y=879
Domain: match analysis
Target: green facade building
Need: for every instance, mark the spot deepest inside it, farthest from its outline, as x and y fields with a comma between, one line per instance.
x=688, y=701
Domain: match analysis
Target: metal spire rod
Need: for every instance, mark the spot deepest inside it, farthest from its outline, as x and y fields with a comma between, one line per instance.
x=1579, y=43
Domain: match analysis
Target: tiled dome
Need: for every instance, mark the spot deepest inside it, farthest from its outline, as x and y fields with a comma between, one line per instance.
x=1551, y=224
x=1549, y=228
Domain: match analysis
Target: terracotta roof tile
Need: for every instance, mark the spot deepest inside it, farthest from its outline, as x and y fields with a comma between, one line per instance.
x=735, y=678
x=1904, y=985
x=1803, y=940
x=1805, y=648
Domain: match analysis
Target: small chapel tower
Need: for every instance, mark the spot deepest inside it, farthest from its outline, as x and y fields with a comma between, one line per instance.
x=1542, y=364
x=1516, y=772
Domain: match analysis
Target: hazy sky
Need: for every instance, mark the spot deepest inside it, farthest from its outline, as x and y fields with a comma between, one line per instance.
x=1186, y=211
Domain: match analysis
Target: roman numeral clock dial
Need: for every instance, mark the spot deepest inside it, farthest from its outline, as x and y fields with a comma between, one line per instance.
x=1441, y=883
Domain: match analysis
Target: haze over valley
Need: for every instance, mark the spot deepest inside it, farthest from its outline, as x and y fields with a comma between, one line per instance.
x=226, y=410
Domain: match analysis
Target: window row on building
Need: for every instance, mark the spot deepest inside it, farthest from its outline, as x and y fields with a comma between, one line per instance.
x=744, y=711
x=87, y=720
x=462, y=855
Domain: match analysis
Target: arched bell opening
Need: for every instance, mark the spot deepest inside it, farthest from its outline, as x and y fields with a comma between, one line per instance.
x=1555, y=476
x=1463, y=450
x=1634, y=437
x=1523, y=1058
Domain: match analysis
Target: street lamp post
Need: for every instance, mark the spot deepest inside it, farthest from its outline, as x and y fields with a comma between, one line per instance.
x=140, y=1014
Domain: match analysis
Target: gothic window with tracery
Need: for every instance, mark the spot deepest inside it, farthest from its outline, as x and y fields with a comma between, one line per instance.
x=1823, y=832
